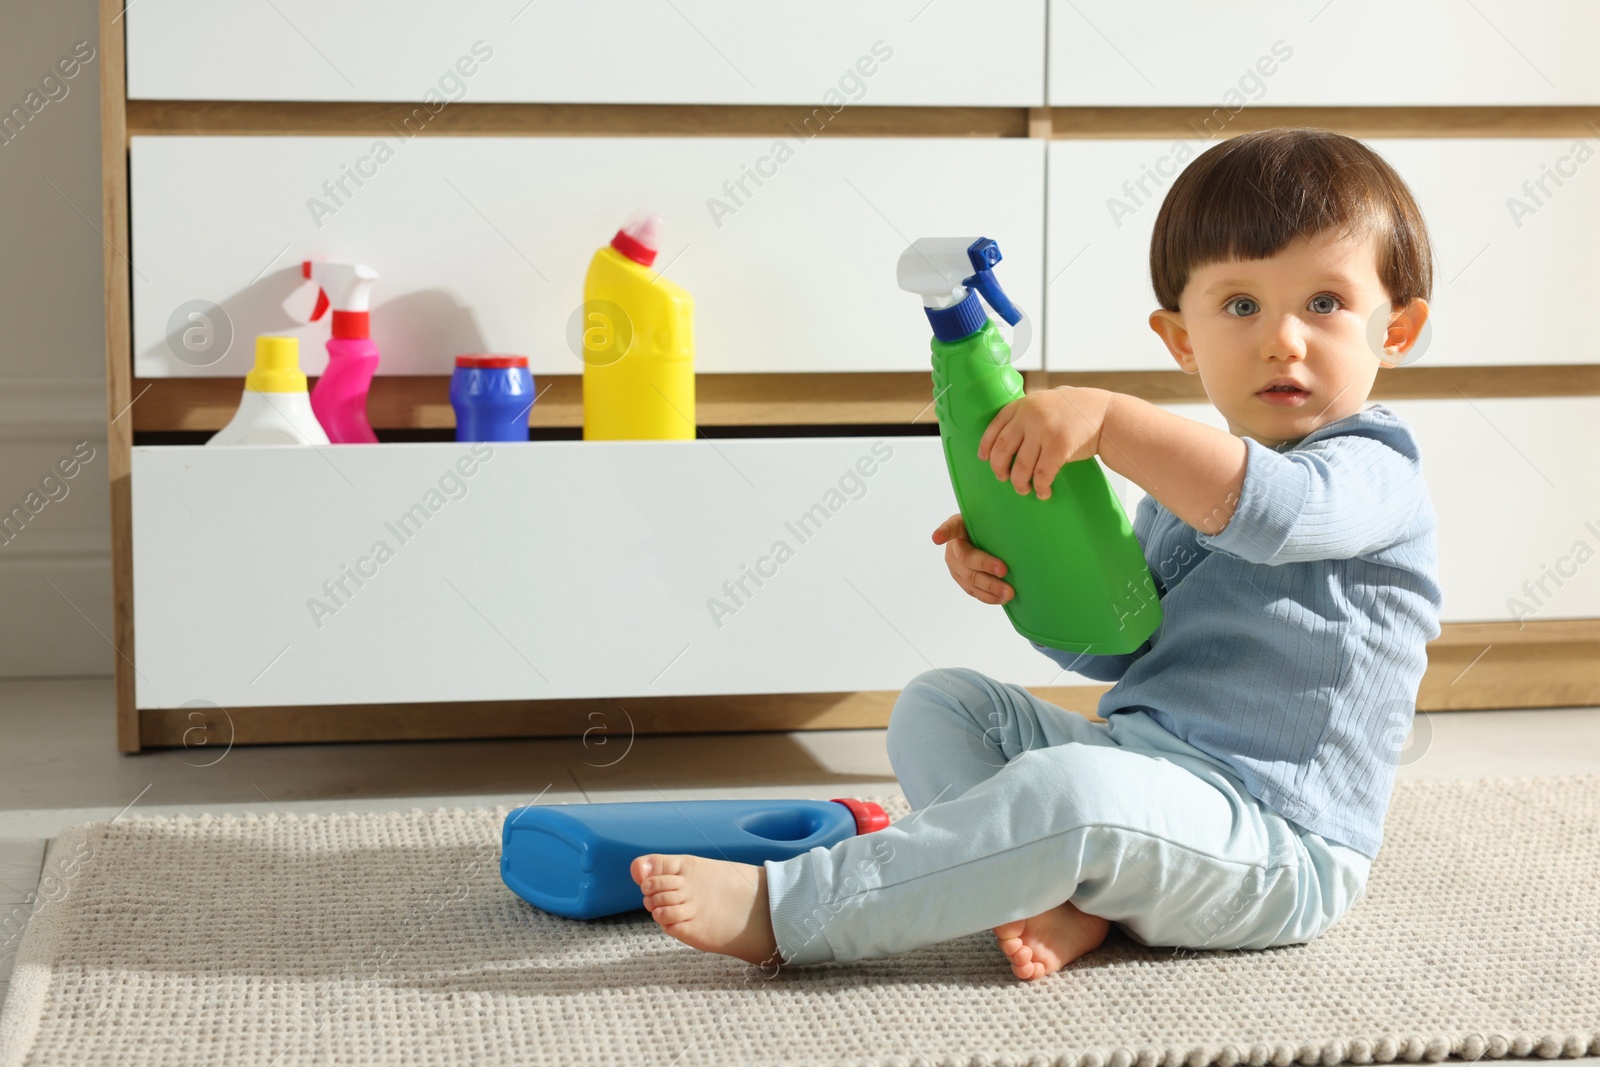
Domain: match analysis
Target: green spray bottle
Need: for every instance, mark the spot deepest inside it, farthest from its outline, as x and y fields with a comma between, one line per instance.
x=1081, y=580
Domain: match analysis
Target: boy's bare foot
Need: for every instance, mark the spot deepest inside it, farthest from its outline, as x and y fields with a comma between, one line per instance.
x=711, y=905
x=1050, y=940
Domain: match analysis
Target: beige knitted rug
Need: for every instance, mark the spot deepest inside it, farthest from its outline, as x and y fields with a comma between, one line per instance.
x=390, y=939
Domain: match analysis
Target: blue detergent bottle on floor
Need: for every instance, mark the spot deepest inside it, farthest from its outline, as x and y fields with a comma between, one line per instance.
x=572, y=859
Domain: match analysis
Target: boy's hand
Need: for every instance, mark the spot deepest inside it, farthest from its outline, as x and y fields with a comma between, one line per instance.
x=1032, y=438
x=973, y=569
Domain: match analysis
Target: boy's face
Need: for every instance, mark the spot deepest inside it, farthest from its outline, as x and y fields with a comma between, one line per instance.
x=1301, y=315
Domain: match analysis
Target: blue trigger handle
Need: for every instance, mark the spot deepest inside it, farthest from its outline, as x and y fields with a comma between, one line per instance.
x=984, y=254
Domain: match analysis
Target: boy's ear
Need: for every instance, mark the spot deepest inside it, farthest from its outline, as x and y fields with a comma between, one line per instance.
x=1405, y=326
x=1168, y=326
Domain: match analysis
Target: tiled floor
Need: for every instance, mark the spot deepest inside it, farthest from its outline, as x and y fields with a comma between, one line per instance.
x=20, y=863
x=59, y=766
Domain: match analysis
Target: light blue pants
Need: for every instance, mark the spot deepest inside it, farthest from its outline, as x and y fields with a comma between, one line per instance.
x=1019, y=805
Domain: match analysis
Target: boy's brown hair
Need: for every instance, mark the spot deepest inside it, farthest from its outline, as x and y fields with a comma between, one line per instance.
x=1249, y=196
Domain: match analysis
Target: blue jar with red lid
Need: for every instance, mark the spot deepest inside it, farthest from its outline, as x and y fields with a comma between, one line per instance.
x=491, y=395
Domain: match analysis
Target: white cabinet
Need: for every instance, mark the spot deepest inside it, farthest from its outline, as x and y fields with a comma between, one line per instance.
x=481, y=243
x=821, y=52
x=618, y=569
x=1286, y=53
x=1510, y=220
x=551, y=569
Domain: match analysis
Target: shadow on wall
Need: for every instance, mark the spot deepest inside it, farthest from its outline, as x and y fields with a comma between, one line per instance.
x=202, y=334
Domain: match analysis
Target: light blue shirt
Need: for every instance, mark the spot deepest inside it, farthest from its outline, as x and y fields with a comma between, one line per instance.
x=1292, y=642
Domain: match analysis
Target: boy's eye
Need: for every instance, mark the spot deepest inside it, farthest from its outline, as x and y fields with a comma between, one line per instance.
x=1246, y=302
x=1324, y=303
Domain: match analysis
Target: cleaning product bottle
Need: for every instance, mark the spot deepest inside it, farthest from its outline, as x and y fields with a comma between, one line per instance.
x=492, y=396
x=1080, y=576
x=638, y=342
x=340, y=395
x=572, y=859
x=275, y=409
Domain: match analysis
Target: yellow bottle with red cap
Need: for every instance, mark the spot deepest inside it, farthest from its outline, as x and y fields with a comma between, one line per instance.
x=638, y=342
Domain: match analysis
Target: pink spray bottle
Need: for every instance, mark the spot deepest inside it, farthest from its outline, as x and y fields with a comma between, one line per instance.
x=339, y=399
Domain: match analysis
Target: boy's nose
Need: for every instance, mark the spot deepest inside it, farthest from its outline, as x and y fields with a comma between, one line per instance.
x=1287, y=340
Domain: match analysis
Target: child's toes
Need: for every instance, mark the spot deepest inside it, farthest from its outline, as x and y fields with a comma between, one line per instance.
x=1020, y=966
x=672, y=913
x=667, y=863
x=670, y=896
x=662, y=883
x=659, y=865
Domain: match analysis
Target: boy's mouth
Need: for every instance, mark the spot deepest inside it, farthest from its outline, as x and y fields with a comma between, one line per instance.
x=1283, y=393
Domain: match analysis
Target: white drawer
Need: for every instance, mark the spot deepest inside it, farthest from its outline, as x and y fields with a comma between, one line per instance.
x=1517, y=493
x=618, y=51
x=1276, y=53
x=481, y=243
x=557, y=569
x=1496, y=273
x=592, y=569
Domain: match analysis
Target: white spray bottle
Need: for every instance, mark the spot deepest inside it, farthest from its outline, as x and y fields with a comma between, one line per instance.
x=275, y=408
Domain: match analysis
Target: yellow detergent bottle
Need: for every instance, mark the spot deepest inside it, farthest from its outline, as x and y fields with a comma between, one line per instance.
x=638, y=342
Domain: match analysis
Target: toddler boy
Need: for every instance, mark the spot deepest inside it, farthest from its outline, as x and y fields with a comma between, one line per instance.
x=1234, y=796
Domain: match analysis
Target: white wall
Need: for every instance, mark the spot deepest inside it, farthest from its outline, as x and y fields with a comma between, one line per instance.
x=55, y=570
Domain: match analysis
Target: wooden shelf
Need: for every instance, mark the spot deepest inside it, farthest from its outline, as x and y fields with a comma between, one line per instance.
x=423, y=402
x=298, y=118
x=119, y=357
x=1189, y=122
x=292, y=118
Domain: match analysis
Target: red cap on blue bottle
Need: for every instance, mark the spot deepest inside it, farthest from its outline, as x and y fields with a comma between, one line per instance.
x=869, y=816
x=489, y=360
